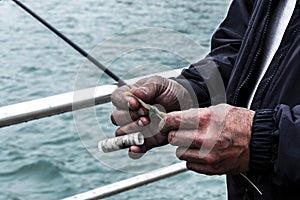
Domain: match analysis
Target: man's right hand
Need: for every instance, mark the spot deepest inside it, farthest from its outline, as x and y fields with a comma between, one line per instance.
x=131, y=117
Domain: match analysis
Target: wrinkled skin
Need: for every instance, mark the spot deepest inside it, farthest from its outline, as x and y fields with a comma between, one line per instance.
x=213, y=140
x=129, y=115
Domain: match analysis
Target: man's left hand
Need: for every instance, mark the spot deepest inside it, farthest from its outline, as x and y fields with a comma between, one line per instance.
x=212, y=140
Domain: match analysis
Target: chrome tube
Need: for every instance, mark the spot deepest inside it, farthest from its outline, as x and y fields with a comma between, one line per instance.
x=131, y=183
x=45, y=107
x=35, y=109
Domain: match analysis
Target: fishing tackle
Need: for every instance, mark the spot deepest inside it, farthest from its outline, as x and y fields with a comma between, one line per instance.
x=113, y=143
x=131, y=139
x=121, y=142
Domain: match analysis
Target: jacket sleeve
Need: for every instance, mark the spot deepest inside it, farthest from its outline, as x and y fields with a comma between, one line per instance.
x=225, y=45
x=275, y=143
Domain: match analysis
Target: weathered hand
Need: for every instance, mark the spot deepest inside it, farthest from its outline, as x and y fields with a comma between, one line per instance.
x=131, y=117
x=212, y=140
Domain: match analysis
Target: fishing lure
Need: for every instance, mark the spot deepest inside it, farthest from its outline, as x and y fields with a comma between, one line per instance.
x=153, y=110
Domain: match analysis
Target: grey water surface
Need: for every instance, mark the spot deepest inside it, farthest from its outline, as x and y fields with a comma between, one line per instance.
x=47, y=158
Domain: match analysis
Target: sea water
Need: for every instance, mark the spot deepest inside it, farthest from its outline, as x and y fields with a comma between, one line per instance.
x=49, y=158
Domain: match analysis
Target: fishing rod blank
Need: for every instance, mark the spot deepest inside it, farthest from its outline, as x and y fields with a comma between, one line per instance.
x=72, y=44
x=108, y=145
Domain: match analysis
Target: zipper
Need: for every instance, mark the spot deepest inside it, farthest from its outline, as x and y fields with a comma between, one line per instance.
x=269, y=80
x=275, y=70
x=259, y=51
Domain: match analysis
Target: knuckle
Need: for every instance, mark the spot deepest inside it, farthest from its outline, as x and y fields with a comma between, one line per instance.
x=168, y=119
x=171, y=137
x=205, y=116
x=198, y=139
x=210, y=160
x=177, y=118
x=173, y=119
x=167, y=122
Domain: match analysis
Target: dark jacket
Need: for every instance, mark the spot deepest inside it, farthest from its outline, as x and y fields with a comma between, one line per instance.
x=237, y=47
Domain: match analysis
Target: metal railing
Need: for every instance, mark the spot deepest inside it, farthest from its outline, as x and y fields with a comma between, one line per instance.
x=49, y=106
x=45, y=107
x=131, y=183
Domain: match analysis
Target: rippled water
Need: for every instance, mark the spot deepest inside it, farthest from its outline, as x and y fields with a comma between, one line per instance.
x=45, y=159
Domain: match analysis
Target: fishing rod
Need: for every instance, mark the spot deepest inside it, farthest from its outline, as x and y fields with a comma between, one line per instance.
x=72, y=44
x=118, y=142
x=115, y=143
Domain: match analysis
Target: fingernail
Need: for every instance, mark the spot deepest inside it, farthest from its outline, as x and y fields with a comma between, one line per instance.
x=128, y=105
x=140, y=123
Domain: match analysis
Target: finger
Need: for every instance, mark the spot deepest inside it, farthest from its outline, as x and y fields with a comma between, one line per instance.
x=149, y=89
x=123, y=117
x=194, y=155
x=189, y=155
x=146, y=94
x=133, y=127
x=136, y=152
x=203, y=169
x=118, y=97
x=188, y=119
x=122, y=101
x=186, y=138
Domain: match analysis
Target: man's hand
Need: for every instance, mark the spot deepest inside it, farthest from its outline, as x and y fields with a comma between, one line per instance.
x=131, y=117
x=212, y=140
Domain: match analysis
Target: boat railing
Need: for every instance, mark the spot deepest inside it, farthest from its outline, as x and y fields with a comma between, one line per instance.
x=62, y=103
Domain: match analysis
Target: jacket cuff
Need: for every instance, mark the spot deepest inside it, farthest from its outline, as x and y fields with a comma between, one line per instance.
x=264, y=140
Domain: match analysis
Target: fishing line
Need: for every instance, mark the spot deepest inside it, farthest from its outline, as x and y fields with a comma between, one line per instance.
x=71, y=43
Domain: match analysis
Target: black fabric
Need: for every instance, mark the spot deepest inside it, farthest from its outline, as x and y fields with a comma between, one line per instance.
x=264, y=141
x=192, y=80
x=237, y=47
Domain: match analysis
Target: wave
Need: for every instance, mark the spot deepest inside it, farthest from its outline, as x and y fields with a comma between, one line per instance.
x=40, y=169
x=35, y=180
